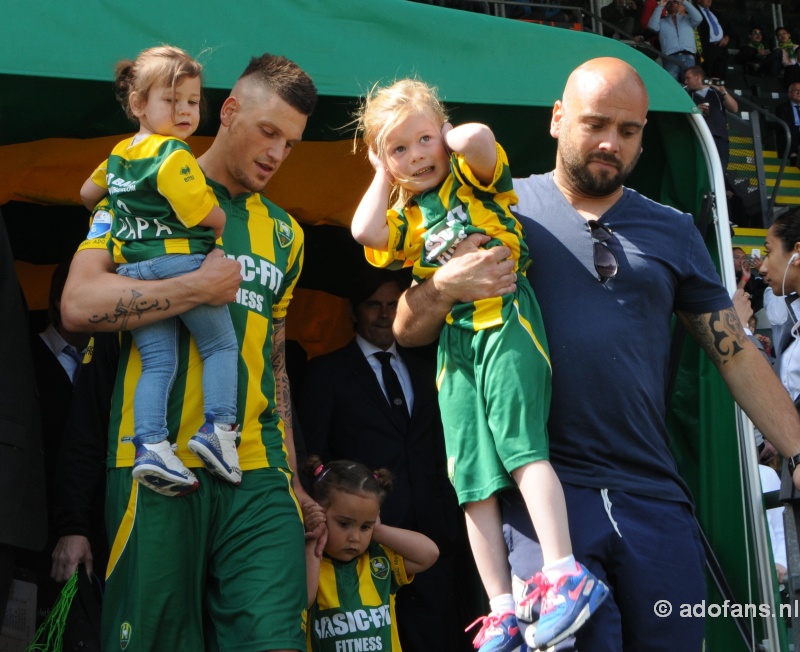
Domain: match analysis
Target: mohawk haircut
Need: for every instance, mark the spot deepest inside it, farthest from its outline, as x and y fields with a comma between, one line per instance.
x=286, y=78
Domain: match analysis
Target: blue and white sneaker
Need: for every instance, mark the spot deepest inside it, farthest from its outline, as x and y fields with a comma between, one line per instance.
x=156, y=467
x=565, y=606
x=498, y=633
x=217, y=449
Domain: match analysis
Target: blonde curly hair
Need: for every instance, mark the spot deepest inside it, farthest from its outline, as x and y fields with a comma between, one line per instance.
x=382, y=109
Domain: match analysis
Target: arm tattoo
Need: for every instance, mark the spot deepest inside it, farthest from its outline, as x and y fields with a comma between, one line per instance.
x=283, y=398
x=719, y=333
x=136, y=307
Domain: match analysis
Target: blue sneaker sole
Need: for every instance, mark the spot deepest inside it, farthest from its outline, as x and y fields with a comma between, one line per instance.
x=165, y=486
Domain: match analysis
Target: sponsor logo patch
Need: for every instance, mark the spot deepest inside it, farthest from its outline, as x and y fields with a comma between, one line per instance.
x=101, y=225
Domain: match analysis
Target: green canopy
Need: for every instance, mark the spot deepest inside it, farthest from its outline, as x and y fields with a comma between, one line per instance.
x=344, y=45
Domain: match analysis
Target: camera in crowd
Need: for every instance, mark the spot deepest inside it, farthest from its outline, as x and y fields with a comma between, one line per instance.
x=714, y=81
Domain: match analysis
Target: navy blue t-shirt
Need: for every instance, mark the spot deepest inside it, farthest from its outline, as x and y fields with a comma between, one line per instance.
x=609, y=342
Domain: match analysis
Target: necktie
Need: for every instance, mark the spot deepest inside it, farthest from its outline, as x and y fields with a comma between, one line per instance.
x=394, y=390
x=796, y=115
x=712, y=21
x=77, y=356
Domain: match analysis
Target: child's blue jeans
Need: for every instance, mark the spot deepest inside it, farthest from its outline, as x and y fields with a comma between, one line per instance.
x=212, y=330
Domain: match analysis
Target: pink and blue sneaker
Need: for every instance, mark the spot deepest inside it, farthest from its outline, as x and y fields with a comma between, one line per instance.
x=498, y=633
x=565, y=605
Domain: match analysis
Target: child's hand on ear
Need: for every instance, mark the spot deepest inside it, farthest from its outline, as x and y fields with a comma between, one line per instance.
x=378, y=165
x=446, y=128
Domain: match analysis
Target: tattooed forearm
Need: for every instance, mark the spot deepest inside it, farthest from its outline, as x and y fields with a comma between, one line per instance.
x=719, y=333
x=283, y=398
x=136, y=307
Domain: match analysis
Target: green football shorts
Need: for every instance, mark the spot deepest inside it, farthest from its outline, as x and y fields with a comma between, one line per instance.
x=494, y=395
x=220, y=569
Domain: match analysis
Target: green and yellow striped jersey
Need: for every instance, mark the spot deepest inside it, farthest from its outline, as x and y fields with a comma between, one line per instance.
x=425, y=232
x=354, y=607
x=158, y=195
x=268, y=244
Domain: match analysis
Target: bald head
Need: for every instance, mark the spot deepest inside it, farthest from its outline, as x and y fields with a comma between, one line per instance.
x=606, y=76
x=598, y=124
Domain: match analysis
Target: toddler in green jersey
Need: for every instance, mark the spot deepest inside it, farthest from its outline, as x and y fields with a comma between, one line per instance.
x=351, y=587
x=163, y=220
x=441, y=184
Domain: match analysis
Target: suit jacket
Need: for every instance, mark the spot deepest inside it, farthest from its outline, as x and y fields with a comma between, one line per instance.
x=345, y=415
x=55, y=395
x=703, y=29
x=22, y=491
x=785, y=112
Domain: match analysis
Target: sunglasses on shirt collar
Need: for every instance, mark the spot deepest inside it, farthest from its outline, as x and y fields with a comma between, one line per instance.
x=605, y=260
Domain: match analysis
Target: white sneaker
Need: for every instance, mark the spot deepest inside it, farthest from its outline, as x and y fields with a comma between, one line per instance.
x=217, y=449
x=157, y=468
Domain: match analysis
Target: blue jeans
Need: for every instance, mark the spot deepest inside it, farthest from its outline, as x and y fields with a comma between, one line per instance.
x=212, y=329
x=687, y=61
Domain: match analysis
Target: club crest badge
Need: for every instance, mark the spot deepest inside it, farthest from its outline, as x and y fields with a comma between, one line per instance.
x=125, y=631
x=285, y=234
x=379, y=567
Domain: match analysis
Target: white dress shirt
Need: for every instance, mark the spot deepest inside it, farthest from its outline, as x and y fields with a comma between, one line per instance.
x=397, y=364
x=67, y=355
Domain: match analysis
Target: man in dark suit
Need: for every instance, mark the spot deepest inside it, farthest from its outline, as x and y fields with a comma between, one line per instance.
x=348, y=410
x=22, y=493
x=57, y=358
x=714, y=41
x=789, y=112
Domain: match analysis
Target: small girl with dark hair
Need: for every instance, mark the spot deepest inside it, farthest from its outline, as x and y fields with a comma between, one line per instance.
x=163, y=220
x=351, y=588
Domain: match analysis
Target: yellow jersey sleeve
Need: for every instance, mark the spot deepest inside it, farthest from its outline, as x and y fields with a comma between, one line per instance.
x=99, y=175
x=398, y=566
x=99, y=227
x=462, y=169
x=181, y=181
x=394, y=257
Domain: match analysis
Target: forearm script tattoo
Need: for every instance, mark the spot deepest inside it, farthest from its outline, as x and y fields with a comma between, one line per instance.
x=136, y=307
